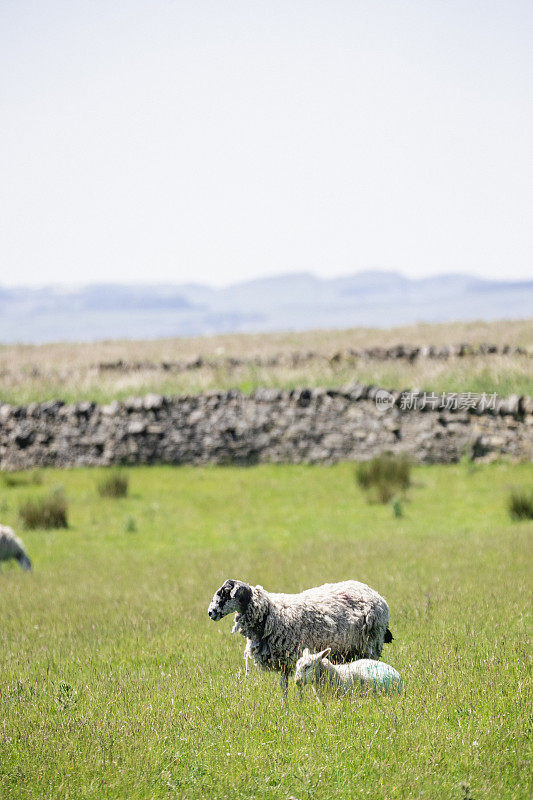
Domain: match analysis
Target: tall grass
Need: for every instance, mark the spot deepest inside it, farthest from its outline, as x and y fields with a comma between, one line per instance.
x=520, y=503
x=384, y=476
x=30, y=478
x=50, y=511
x=115, y=484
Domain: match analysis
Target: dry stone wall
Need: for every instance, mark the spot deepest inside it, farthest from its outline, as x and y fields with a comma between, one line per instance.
x=296, y=359
x=307, y=425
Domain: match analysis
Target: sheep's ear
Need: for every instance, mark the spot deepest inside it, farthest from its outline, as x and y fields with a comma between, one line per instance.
x=243, y=595
x=306, y=652
x=325, y=653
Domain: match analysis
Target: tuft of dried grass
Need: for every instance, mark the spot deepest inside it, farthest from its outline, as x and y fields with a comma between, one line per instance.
x=115, y=484
x=14, y=479
x=384, y=476
x=520, y=504
x=50, y=511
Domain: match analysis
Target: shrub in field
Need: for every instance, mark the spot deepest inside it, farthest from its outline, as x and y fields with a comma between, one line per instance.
x=520, y=504
x=384, y=476
x=12, y=479
x=397, y=509
x=114, y=485
x=381, y=492
x=45, y=512
x=130, y=526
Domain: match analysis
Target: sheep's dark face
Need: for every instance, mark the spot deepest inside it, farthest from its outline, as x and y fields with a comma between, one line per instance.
x=24, y=562
x=232, y=596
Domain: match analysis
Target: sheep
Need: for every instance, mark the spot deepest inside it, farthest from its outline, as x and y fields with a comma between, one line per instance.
x=349, y=616
x=12, y=547
x=363, y=675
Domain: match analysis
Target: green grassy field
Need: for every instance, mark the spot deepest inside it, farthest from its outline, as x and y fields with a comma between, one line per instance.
x=504, y=375
x=33, y=373
x=114, y=683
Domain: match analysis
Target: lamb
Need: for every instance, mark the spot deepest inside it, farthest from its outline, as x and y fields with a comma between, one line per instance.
x=12, y=547
x=349, y=617
x=364, y=675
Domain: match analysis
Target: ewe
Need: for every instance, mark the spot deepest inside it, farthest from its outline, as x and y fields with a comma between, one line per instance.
x=349, y=617
x=364, y=675
x=12, y=547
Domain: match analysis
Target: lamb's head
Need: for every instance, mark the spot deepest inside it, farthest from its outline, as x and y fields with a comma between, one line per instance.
x=232, y=596
x=308, y=667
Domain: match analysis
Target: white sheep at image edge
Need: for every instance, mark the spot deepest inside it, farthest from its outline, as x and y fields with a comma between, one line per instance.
x=11, y=547
x=349, y=617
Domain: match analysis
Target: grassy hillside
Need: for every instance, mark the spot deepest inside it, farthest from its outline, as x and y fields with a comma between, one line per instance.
x=70, y=371
x=114, y=682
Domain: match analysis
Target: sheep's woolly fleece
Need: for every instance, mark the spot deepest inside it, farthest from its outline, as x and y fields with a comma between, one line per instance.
x=349, y=617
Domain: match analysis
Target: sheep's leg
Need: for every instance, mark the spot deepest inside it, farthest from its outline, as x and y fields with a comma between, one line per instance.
x=247, y=655
x=284, y=683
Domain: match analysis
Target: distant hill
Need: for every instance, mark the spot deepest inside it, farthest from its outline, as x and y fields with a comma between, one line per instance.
x=296, y=301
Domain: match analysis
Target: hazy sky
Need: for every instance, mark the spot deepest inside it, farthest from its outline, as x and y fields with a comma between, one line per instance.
x=219, y=141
